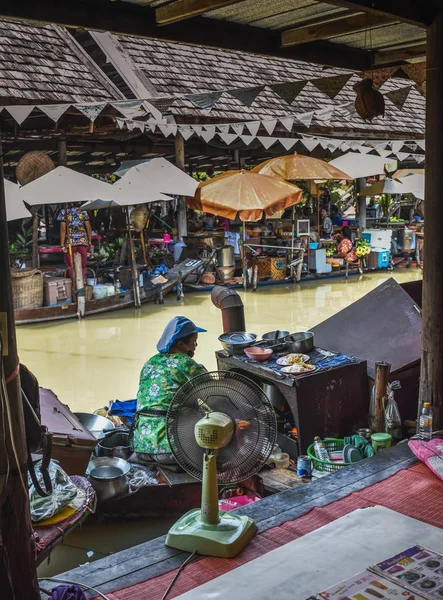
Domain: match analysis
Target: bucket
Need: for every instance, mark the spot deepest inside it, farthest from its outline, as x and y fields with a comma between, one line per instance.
x=91, y=281
x=114, y=444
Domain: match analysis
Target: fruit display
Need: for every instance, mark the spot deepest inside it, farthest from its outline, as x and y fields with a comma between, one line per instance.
x=331, y=250
x=362, y=248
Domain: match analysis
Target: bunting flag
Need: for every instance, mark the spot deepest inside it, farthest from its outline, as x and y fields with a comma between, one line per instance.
x=120, y=123
x=325, y=114
x=397, y=146
x=399, y=97
x=379, y=76
x=247, y=139
x=223, y=128
x=238, y=128
x=403, y=155
x=197, y=128
x=205, y=101
x=288, y=143
x=385, y=153
x=331, y=86
x=345, y=147
x=53, y=111
x=422, y=144
x=365, y=149
x=170, y=129
x=186, y=132
x=92, y=111
x=267, y=142
x=309, y=143
x=246, y=95
x=19, y=113
x=305, y=118
x=228, y=138
x=288, y=91
x=253, y=127
x=288, y=123
x=207, y=135
x=416, y=72
x=421, y=88
x=269, y=125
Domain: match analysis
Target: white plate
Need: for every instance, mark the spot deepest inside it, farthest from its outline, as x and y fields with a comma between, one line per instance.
x=282, y=360
x=289, y=370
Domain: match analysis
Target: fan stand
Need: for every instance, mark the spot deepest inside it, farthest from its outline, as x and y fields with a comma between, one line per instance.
x=207, y=530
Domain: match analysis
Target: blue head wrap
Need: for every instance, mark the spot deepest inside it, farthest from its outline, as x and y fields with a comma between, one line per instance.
x=178, y=328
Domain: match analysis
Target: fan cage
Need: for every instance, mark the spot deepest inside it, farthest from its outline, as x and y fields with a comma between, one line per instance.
x=244, y=402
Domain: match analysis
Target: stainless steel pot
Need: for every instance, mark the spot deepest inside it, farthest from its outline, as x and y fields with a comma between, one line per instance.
x=275, y=335
x=406, y=239
x=275, y=397
x=302, y=342
x=114, y=444
x=225, y=256
x=108, y=477
x=237, y=341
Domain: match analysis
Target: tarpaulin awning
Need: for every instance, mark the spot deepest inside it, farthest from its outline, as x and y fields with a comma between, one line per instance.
x=15, y=209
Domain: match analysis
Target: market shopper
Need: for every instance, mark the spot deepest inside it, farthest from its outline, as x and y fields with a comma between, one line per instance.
x=345, y=249
x=327, y=228
x=160, y=379
x=336, y=216
x=75, y=231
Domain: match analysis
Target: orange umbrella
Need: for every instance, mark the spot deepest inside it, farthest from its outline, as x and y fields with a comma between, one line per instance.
x=297, y=166
x=244, y=193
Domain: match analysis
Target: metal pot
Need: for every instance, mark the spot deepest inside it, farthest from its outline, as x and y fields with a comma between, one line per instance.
x=95, y=424
x=275, y=335
x=108, y=477
x=406, y=239
x=237, y=341
x=302, y=342
x=275, y=397
x=114, y=444
x=225, y=256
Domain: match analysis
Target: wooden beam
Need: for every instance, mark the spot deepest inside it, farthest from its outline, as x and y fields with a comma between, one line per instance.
x=396, y=56
x=340, y=26
x=412, y=11
x=185, y=9
x=124, y=18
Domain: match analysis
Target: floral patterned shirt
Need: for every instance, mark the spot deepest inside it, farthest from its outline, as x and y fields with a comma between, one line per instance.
x=76, y=225
x=346, y=247
x=160, y=378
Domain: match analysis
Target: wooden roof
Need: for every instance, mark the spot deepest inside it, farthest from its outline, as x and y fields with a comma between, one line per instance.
x=46, y=64
x=356, y=34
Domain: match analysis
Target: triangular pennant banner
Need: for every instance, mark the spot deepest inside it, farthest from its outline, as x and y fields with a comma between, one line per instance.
x=269, y=125
x=305, y=118
x=346, y=109
x=247, y=139
x=379, y=76
x=223, y=128
x=402, y=155
x=384, y=153
x=422, y=144
x=330, y=145
x=421, y=88
x=396, y=146
x=186, y=132
x=288, y=91
x=416, y=72
x=19, y=113
x=310, y=144
x=168, y=130
x=345, y=147
x=246, y=95
x=399, y=97
x=331, y=86
x=354, y=144
x=205, y=101
x=120, y=123
x=365, y=149
x=287, y=123
x=238, y=128
x=420, y=158
x=288, y=143
x=53, y=111
x=411, y=145
x=197, y=128
x=253, y=127
x=267, y=141
x=228, y=138
x=325, y=114
x=91, y=112
x=151, y=127
x=207, y=135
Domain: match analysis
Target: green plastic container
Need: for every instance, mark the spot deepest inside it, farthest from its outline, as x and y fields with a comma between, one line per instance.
x=332, y=445
x=381, y=441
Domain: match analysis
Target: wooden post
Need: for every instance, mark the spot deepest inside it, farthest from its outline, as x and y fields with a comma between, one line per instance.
x=18, y=576
x=135, y=283
x=237, y=164
x=182, y=224
x=79, y=285
x=360, y=184
x=377, y=416
x=431, y=379
x=35, y=251
x=62, y=153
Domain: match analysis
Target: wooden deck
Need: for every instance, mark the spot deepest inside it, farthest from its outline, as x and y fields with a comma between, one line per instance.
x=153, y=558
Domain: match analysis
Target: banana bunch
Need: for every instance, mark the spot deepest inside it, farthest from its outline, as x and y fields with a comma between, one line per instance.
x=331, y=250
x=362, y=248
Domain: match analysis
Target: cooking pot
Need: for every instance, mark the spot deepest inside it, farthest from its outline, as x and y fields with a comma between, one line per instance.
x=225, y=256
x=275, y=335
x=237, y=341
x=275, y=397
x=114, y=444
x=107, y=476
x=302, y=342
x=406, y=239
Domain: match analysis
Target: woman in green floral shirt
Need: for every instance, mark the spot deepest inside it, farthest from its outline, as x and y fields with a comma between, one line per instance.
x=160, y=379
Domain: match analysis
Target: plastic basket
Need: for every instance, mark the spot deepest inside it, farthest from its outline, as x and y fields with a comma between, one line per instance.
x=332, y=445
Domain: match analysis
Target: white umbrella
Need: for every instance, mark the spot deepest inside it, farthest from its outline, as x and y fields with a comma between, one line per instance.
x=414, y=184
x=152, y=179
x=15, y=209
x=360, y=165
x=63, y=185
x=385, y=186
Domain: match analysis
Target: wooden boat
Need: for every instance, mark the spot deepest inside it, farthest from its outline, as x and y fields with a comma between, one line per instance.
x=123, y=300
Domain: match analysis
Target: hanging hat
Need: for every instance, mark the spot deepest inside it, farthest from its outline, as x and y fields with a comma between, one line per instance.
x=177, y=329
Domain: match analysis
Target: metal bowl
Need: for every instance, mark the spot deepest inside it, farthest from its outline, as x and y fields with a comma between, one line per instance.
x=237, y=341
x=95, y=424
x=302, y=342
x=275, y=335
x=107, y=467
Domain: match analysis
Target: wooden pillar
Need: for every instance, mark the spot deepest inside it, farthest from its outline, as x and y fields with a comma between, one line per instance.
x=18, y=576
x=62, y=153
x=360, y=184
x=237, y=164
x=431, y=379
x=182, y=224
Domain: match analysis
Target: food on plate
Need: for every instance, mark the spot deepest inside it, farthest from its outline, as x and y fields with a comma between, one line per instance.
x=301, y=367
x=293, y=359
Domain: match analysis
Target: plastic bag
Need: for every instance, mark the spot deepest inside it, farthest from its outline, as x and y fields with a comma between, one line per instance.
x=392, y=413
x=63, y=493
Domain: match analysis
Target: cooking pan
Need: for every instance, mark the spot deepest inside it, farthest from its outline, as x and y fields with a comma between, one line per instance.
x=302, y=342
x=237, y=341
x=275, y=335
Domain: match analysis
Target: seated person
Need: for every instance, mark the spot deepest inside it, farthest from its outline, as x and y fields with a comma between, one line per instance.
x=345, y=249
x=335, y=216
x=160, y=379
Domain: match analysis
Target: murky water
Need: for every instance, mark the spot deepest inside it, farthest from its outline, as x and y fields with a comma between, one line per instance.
x=87, y=363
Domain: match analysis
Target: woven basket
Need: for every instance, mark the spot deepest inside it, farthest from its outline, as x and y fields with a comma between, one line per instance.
x=139, y=217
x=263, y=264
x=27, y=288
x=278, y=268
x=33, y=165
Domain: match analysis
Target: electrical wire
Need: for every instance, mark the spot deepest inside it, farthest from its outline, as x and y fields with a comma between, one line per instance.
x=87, y=587
x=170, y=586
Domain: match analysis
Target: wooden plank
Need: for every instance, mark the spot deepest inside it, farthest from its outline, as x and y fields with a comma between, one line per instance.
x=414, y=12
x=339, y=26
x=185, y=9
x=400, y=55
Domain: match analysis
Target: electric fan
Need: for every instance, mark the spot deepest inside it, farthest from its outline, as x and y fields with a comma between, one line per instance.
x=221, y=428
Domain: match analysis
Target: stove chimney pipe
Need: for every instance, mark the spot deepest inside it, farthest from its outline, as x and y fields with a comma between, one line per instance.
x=231, y=306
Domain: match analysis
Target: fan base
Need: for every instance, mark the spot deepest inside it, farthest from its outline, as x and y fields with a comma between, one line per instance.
x=226, y=539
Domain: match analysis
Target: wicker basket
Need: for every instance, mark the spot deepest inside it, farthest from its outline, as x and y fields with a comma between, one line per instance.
x=33, y=165
x=27, y=288
x=263, y=265
x=278, y=268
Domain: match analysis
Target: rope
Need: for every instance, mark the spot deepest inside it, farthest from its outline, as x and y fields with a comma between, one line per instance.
x=13, y=374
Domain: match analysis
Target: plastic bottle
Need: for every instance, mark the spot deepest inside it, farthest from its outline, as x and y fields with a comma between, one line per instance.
x=425, y=423
x=320, y=449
